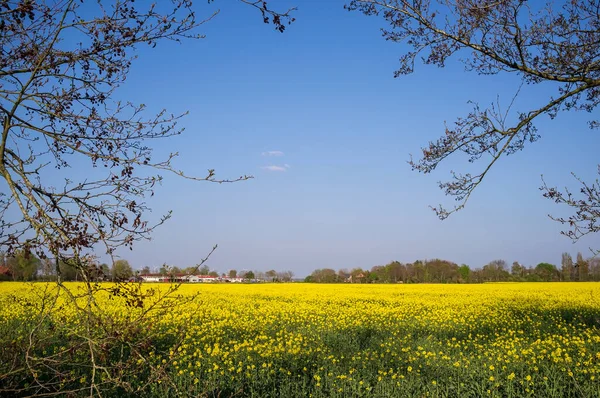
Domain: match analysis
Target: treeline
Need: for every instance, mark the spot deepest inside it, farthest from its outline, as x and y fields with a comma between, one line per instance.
x=443, y=271
x=25, y=266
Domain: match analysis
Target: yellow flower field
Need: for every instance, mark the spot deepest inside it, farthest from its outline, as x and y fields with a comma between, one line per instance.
x=501, y=340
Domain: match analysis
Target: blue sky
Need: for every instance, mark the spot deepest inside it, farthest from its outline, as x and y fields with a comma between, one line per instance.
x=342, y=195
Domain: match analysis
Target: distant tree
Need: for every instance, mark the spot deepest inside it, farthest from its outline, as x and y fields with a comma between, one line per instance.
x=594, y=268
x=214, y=274
x=442, y=271
x=392, y=274
x=476, y=276
x=145, y=270
x=204, y=270
x=68, y=272
x=417, y=272
x=315, y=276
x=232, y=273
x=517, y=270
x=189, y=270
x=372, y=277
x=93, y=270
x=164, y=269
x=465, y=272
x=547, y=272
x=533, y=277
x=582, y=268
x=379, y=273
x=343, y=274
x=249, y=275
x=47, y=269
x=272, y=275
x=105, y=271
x=121, y=270
x=285, y=276
x=172, y=272
x=567, y=268
x=551, y=44
x=23, y=265
x=396, y=272
x=325, y=275
x=495, y=271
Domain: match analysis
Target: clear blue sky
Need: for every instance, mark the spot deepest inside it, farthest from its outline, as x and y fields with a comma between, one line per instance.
x=342, y=194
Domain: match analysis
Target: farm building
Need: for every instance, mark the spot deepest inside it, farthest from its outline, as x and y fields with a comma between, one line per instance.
x=179, y=278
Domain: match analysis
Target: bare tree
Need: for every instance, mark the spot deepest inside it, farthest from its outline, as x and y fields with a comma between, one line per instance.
x=60, y=66
x=285, y=276
x=272, y=275
x=567, y=267
x=556, y=44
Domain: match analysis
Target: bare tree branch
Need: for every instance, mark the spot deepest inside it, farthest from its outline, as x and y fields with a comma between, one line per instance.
x=60, y=64
x=543, y=44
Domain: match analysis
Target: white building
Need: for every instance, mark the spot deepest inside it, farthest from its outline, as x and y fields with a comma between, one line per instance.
x=202, y=278
x=152, y=278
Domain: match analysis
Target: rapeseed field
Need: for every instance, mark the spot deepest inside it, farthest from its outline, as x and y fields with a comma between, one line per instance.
x=313, y=340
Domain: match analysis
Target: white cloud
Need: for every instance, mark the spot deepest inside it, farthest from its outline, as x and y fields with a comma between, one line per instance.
x=272, y=153
x=274, y=168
